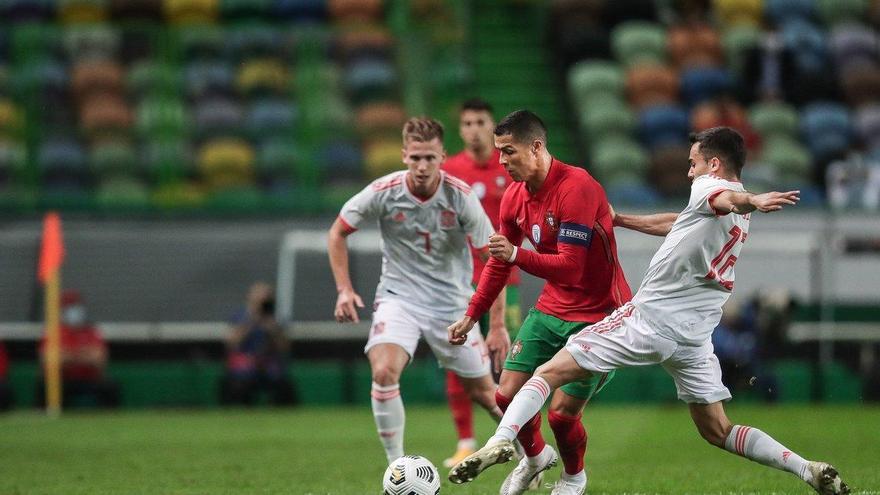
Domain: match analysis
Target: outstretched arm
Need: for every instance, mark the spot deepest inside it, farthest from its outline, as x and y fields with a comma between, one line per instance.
x=348, y=300
x=745, y=202
x=656, y=224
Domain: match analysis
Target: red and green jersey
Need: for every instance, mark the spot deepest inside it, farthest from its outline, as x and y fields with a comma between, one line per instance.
x=568, y=221
x=488, y=180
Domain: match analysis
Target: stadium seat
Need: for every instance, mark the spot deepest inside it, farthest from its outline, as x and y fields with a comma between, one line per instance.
x=867, y=124
x=277, y=157
x=783, y=11
x=380, y=118
x=355, y=10
x=91, y=42
x=112, y=158
x=88, y=78
x=668, y=169
x=833, y=12
x=62, y=163
x=600, y=122
x=262, y=76
x=808, y=44
x=651, y=85
x=11, y=118
x=159, y=115
x=732, y=13
x=201, y=42
x=853, y=45
x=82, y=11
x=576, y=40
x=303, y=10
x=861, y=85
x=167, y=159
x=589, y=78
x=190, y=11
x=340, y=160
x=774, y=119
x=616, y=12
x=370, y=79
x=365, y=41
x=105, y=113
x=122, y=192
x=13, y=159
x=233, y=10
x=382, y=157
x=215, y=116
x=258, y=41
x=639, y=42
x=204, y=78
x=790, y=161
x=663, y=125
x=150, y=77
x=617, y=160
x=226, y=162
x=826, y=129
x=694, y=45
x=737, y=41
x=269, y=117
x=22, y=11
x=705, y=83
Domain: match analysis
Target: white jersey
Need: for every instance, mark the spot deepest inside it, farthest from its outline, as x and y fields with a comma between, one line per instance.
x=426, y=258
x=691, y=276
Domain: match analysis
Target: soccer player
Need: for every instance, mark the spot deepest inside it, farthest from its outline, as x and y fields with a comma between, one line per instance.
x=426, y=218
x=478, y=166
x=671, y=318
x=565, y=214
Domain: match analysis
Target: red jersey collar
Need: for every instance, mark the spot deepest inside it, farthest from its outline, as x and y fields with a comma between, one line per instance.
x=553, y=176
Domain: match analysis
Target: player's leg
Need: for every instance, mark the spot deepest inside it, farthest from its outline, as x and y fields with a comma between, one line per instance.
x=697, y=377
x=393, y=338
x=462, y=416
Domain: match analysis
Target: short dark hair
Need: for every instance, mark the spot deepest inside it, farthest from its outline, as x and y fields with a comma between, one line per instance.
x=725, y=143
x=477, y=105
x=524, y=126
x=422, y=129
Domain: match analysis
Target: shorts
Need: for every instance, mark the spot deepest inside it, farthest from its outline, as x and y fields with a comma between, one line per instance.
x=396, y=322
x=626, y=339
x=539, y=339
x=512, y=313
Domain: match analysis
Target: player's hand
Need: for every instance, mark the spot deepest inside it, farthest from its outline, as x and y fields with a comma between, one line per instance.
x=458, y=331
x=347, y=304
x=498, y=343
x=500, y=247
x=774, y=201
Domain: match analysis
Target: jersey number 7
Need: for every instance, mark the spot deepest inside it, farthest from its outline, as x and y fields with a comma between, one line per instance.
x=725, y=261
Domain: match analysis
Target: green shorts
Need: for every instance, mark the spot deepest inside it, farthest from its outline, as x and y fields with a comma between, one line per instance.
x=539, y=339
x=512, y=313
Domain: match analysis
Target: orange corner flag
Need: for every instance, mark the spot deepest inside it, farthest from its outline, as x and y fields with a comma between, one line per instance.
x=52, y=247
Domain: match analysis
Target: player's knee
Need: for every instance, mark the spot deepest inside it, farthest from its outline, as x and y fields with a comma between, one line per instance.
x=385, y=375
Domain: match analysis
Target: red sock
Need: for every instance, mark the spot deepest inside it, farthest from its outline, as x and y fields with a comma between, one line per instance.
x=460, y=405
x=571, y=439
x=530, y=433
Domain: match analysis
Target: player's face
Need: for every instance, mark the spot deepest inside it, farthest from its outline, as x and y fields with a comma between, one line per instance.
x=698, y=165
x=519, y=159
x=475, y=127
x=423, y=161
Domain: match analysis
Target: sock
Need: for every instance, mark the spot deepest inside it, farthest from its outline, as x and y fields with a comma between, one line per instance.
x=571, y=440
x=389, y=415
x=577, y=478
x=460, y=405
x=523, y=411
x=755, y=445
x=530, y=434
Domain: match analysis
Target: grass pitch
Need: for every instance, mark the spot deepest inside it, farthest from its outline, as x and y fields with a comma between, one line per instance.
x=638, y=449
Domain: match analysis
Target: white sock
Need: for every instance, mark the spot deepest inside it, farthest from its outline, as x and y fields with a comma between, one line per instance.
x=755, y=445
x=467, y=443
x=577, y=479
x=390, y=417
x=526, y=403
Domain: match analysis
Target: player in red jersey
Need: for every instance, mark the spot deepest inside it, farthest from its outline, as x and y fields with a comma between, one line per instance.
x=478, y=165
x=565, y=214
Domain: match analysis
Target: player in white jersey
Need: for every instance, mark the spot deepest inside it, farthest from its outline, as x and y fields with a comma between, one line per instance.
x=426, y=219
x=671, y=318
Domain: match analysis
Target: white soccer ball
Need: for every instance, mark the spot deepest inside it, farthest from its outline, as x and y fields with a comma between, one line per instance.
x=411, y=475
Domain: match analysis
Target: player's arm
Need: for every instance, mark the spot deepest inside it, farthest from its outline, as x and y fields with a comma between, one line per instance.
x=347, y=300
x=727, y=201
x=655, y=224
x=499, y=307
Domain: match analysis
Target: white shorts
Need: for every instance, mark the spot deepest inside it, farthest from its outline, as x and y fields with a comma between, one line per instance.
x=625, y=339
x=396, y=322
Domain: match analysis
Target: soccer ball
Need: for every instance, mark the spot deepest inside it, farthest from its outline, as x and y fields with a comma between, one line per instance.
x=411, y=475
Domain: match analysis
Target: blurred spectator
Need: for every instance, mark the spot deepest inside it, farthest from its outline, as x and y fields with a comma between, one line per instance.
x=854, y=182
x=256, y=353
x=769, y=70
x=5, y=390
x=725, y=111
x=83, y=358
x=737, y=341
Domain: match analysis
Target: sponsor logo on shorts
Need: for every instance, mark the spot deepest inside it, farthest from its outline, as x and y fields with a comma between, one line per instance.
x=515, y=349
x=584, y=347
x=378, y=328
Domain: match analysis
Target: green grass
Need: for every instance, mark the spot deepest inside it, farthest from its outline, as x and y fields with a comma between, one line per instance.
x=638, y=449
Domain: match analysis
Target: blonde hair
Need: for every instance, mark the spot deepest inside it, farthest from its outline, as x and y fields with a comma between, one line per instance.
x=422, y=129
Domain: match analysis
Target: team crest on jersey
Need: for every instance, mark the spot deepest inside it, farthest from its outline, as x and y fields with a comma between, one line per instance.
x=536, y=233
x=551, y=222
x=448, y=219
x=479, y=189
x=399, y=217
x=515, y=349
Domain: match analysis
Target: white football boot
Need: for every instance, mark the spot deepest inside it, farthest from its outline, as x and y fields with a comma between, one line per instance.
x=826, y=480
x=568, y=487
x=497, y=452
x=527, y=475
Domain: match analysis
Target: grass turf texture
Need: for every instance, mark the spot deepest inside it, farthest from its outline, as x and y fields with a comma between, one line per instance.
x=640, y=449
